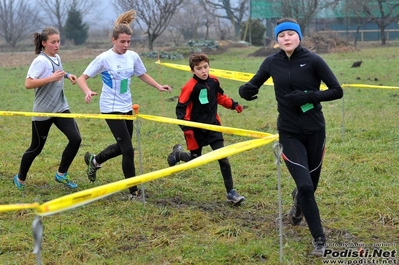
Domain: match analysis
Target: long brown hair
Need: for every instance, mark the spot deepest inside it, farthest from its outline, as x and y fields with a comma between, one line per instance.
x=39, y=37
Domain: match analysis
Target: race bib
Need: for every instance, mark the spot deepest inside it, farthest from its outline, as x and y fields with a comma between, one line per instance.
x=123, y=88
x=203, y=96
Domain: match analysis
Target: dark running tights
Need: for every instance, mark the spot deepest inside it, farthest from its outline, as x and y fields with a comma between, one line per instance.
x=122, y=131
x=303, y=156
x=224, y=163
x=40, y=130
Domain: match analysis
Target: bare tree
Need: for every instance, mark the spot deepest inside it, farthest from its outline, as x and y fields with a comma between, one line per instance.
x=153, y=16
x=233, y=11
x=175, y=35
x=222, y=29
x=303, y=11
x=381, y=12
x=18, y=20
x=208, y=22
x=189, y=27
x=57, y=10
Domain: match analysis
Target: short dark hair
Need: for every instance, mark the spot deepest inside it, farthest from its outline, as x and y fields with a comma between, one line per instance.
x=196, y=58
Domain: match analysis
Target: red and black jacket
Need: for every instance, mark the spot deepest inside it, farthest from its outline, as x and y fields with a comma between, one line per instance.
x=198, y=102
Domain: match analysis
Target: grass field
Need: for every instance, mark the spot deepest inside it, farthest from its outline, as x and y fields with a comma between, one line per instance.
x=186, y=219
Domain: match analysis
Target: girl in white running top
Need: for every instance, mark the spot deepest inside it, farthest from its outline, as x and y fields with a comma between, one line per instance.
x=117, y=66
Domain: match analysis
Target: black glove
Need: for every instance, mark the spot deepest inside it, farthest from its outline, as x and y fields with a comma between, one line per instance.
x=237, y=107
x=248, y=91
x=298, y=97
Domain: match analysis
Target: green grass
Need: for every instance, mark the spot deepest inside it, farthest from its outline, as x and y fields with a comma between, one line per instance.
x=186, y=219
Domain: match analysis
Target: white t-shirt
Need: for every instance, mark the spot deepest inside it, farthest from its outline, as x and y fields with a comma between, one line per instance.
x=116, y=71
x=50, y=97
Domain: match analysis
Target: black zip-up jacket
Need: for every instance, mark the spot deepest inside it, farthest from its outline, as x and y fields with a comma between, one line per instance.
x=198, y=102
x=304, y=71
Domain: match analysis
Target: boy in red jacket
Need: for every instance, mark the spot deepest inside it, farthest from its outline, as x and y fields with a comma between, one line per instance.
x=198, y=102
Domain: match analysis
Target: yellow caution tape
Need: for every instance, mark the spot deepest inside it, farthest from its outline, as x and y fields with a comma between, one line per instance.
x=86, y=196
x=232, y=75
x=68, y=115
x=245, y=77
x=228, y=130
x=369, y=86
x=18, y=207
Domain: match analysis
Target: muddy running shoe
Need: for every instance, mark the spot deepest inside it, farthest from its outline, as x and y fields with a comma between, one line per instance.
x=295, y=215
x=173, y=157
x=91, y=168
x=135, y=196
x=234, y=197
x=319, y=247
x=20, y=186
x=65, y=180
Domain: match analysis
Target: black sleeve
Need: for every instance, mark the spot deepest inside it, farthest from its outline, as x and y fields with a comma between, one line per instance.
x=334, y=90
x=262, y=75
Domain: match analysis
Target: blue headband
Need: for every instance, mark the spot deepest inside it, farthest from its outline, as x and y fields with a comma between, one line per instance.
x=288, y=26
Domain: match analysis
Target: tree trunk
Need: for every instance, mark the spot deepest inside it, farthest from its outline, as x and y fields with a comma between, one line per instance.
x=357, y=34
x=207, y=32
x=237, y=29
x=150, y=42
x=383, y=38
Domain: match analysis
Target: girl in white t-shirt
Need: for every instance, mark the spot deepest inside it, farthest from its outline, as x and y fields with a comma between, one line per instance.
x=46, y=76
x=117, y=66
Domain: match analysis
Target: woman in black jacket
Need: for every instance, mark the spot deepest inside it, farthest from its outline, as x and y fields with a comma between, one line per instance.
x=297, y=75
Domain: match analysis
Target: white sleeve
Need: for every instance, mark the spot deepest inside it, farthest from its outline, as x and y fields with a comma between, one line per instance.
x=96, y=66
x=139, y=68
x=40, y=68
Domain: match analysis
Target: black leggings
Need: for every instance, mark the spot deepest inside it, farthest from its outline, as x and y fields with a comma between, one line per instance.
x=40, y=130
x=303, y=156
x=122, y=131
x=224, y=163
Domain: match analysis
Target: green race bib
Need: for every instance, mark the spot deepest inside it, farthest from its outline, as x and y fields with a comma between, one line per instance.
x=306, y=107
x=123, y=88
x=203, y=96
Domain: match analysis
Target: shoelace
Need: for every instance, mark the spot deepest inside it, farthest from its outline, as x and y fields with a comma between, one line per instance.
x=92, y=168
